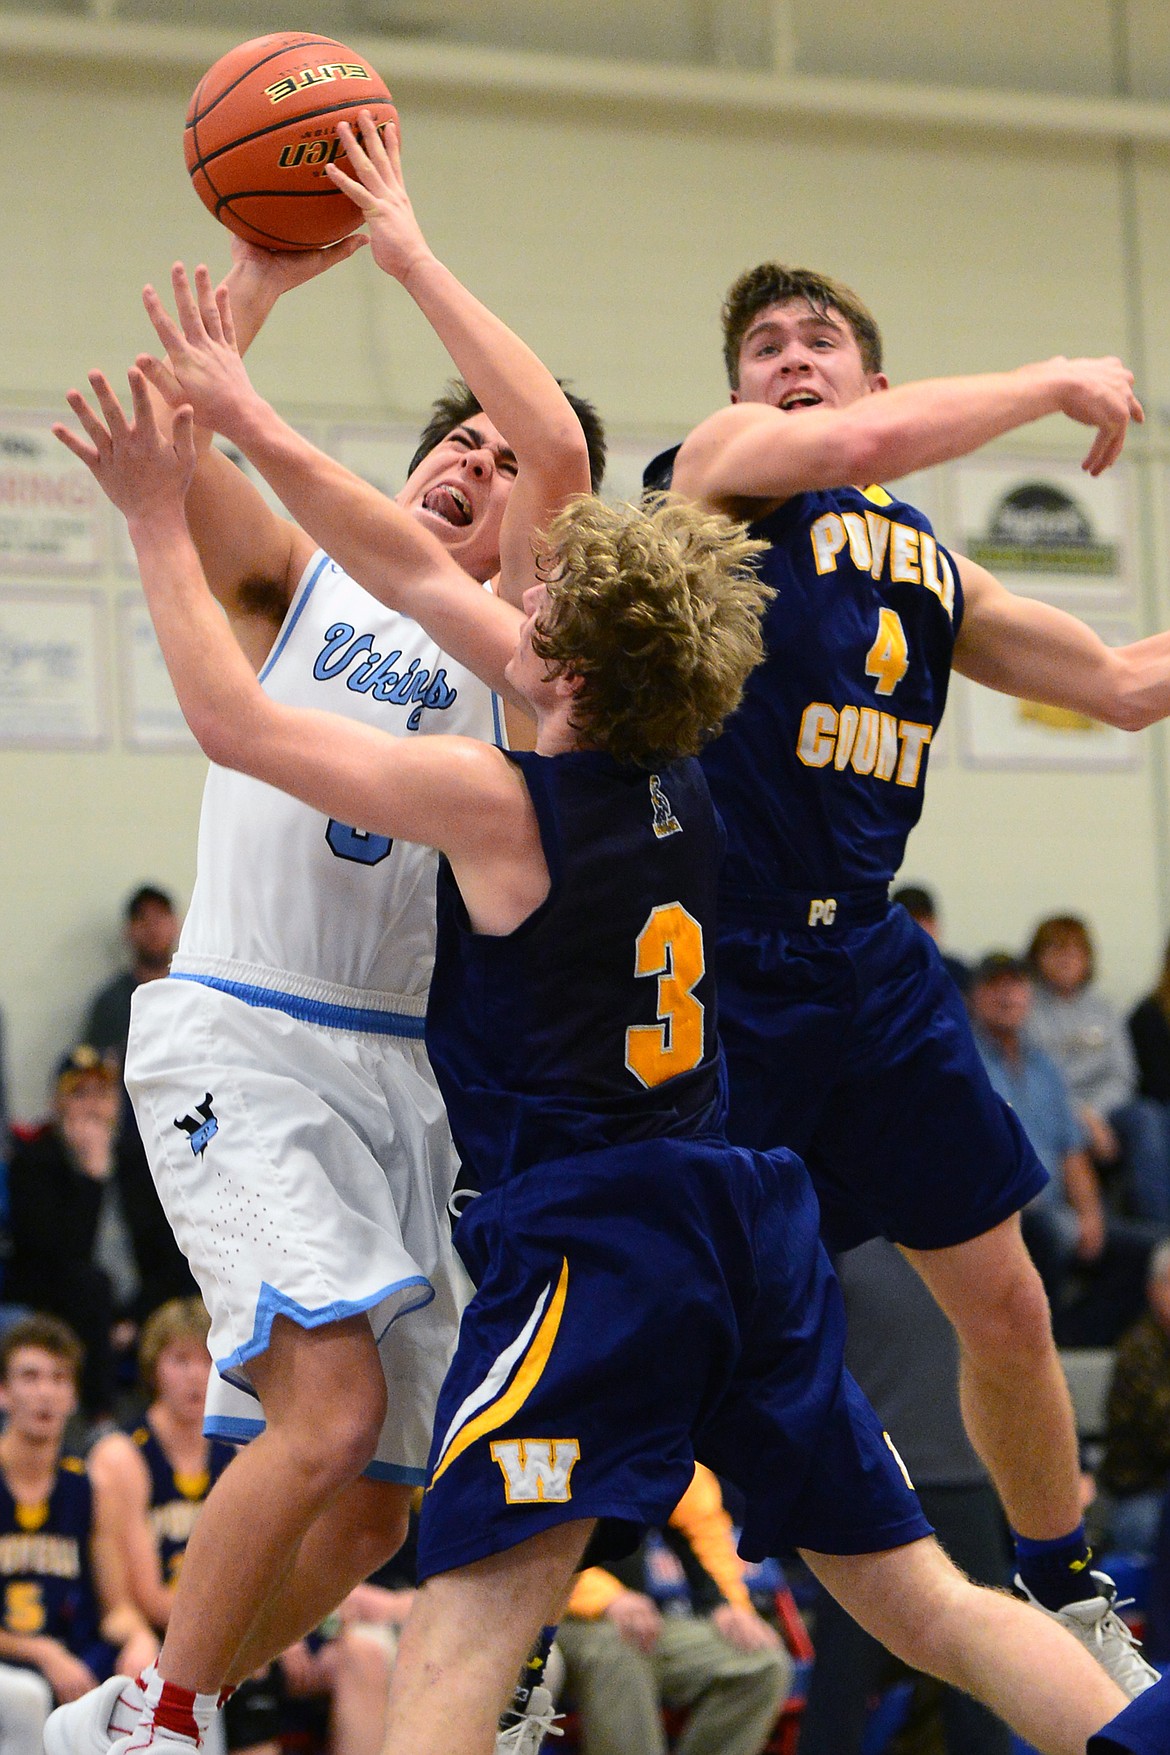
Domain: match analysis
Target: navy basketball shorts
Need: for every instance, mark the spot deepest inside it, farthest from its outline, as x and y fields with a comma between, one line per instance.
x=638, y=1308
x=1143, y=1728
x=853, y=1048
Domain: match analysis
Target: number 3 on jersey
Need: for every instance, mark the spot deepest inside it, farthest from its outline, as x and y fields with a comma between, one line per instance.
x=669, y=946
x=888, y=658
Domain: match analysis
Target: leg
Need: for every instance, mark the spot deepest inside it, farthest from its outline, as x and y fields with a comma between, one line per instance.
x=361, y=1684
x=324, y=1400
x=363, y=1528
x=615, y=1688
x=1019, y=1663
x=1016, y=1404
x=463, y=1644
x=733, y=1696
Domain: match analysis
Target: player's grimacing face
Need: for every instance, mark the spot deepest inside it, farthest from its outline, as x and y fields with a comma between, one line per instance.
x=794, y=357
x=459, y=492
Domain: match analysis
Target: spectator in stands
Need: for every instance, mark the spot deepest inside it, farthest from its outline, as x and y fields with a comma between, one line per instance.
x=904, y=1354
x=66, y=1618
x=1149, y=1029
x=151, y=932
x=160, y=1473
x=704, y=1649
x=1135, y=1468
x=1078, y=1028
x=1093, y=1263
x=71, y=1252
x=922, y=908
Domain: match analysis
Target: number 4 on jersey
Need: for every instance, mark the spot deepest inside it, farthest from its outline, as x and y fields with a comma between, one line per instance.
x=889, y=656
x=670, y=946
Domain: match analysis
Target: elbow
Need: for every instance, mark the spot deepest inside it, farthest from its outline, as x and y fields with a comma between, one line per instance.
x=1130, y=707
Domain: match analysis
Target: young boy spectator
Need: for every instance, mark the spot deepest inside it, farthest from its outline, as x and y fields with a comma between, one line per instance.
x=66, y=1620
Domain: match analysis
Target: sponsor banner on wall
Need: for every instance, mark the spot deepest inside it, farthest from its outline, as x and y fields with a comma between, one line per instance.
x=52, y=512
x=151, y=716
x=1047, y=529
x=51, y=693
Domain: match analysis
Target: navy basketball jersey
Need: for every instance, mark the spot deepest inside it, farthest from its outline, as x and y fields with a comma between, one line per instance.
x=819, y=774
x=593, y=1024
x=176, y=1499
x=45, y=1581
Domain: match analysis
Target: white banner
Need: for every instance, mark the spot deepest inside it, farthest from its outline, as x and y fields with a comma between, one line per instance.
x=52, y=512
x=51, y=668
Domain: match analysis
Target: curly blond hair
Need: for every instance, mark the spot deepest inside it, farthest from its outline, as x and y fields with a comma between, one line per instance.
x=656, y=609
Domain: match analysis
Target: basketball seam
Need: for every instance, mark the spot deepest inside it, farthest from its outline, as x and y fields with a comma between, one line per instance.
x=275, y=128
x=288, y=49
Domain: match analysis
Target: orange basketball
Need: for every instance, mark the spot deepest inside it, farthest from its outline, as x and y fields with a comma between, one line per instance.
x=262, y=126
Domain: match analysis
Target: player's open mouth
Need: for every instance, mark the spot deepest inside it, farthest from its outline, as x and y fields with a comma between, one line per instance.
x=800, y=399
x=449, y=503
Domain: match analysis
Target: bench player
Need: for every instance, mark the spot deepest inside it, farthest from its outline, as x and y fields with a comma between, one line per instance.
x=279, y=1076
x=645, y=1290
x=845, y=1038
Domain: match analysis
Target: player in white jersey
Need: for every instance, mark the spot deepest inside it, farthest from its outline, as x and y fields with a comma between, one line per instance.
x=279, y=1076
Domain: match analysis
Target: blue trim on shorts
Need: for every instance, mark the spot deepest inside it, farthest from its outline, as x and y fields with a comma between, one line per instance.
x=294, y=618
x=236, y=1430
x=362, y=1019
x=497, y=722
x=272, y=1303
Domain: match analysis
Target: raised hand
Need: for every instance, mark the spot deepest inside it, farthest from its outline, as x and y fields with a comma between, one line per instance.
x=280, y=271
x=142, y=470
x=1099, y=393
x=203, y=366
x=377, y=187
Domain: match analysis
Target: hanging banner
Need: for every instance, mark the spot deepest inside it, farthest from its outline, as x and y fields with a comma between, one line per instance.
x=52, y=512
x=50, y=669
x=1047, y=529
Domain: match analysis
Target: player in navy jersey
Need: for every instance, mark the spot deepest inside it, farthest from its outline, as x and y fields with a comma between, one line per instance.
x=647, y=1292
x=1142, y=1729
x=159, y=1474
x=845, y=1038
x=65, y=1612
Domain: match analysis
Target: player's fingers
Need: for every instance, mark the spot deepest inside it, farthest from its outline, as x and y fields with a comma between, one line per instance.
x=165, y=326
x=373, y=140
x=206, y=301
x=1092, y=462
x=355, y=152
x=88, y=419
x=140, y=402
x=227, y=323
x=1136, y=411
x=186, y=304
x=357, y=192
x=392, y=143
x=183, y=437
x=158, y=373
x=109, y=404
x=71, y=442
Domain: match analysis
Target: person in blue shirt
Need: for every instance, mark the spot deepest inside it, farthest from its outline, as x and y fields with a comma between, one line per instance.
x=846, y=1040
x=647, y=1293
x=1067, y=1227
x=1142, y=1729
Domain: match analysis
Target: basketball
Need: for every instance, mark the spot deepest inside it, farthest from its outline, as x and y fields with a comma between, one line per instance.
x=261, y=128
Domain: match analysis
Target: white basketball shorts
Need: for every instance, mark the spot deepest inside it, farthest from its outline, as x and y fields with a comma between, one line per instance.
x=305, y=1171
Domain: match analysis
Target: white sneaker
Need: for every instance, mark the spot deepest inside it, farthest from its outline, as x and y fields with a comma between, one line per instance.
x=1094, y=1621
x=82, y=1726
x=528, y=1730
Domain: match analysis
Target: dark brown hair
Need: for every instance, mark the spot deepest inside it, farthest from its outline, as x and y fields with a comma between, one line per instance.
x=773, y=283
x=457, y=405
x=46, y=1333
x=1061, y=929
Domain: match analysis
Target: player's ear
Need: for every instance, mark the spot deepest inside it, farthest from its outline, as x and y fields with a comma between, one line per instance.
x=877, y=381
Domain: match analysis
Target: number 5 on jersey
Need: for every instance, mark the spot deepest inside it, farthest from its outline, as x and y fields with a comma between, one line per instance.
x=669, y=946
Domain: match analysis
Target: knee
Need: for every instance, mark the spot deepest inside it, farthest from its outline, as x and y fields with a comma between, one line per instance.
x=378, y=1516
x=1009, y=1320
x=330, y=1447
x=363, y=1662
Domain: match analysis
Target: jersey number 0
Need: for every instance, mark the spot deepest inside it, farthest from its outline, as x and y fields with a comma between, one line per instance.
x=669, y=946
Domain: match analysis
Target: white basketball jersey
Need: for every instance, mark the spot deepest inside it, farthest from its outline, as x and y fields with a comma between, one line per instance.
x=290, y=900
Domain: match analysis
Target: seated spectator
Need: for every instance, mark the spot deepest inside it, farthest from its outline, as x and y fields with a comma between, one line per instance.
x=704, y=1649
x=922, y=908
x=71, y=1254
x=1135, y=1467
x=903, y=1353
x=159, y=1475
x=66, y=1617
x=1149, y=1029
x=1093, y=1263
x=1078, y=1028
x=151, y=932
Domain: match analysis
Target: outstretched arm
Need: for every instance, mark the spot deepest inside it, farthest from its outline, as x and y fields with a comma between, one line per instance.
x=453, y=793
x=380, y=545
x=752, y=453
x=516, y=391
x=1023, y=647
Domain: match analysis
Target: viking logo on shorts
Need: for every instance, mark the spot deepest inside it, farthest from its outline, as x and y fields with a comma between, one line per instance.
x=203, y=1131
x=536, y=1471
x=665, y=822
